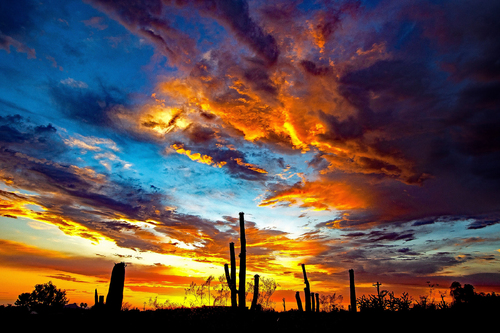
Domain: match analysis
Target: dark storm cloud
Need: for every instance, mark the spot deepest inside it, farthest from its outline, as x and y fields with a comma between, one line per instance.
x=394, y=78
x=149, y=20
x=483, y=223
x=382, y=236
x=407, y=252
x=235, y=15
x=17, y=134
x=423, y=222
x=213, y=72
x=475, y=125
x=198, y=134
x=437, y=105
x=380, y=264
x=93, y=107
x=466, y=33
x=314, y=69
x=259, y=80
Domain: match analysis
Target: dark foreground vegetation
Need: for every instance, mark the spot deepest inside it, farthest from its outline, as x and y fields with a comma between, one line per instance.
x=220, y=319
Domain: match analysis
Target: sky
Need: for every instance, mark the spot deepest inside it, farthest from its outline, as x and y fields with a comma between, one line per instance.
x=356, y=135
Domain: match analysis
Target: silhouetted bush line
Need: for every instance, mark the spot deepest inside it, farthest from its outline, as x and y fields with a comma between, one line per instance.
x=213, y=319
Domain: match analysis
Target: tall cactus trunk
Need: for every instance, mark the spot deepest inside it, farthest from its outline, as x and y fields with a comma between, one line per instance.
x=234, y=291
x=313, y=303
x=317, y=302
x=255, y=292
x=307, y=289
x=231, y=277
x=243, y=263
x=115, y=294
x=299, y=302
x=353, y=290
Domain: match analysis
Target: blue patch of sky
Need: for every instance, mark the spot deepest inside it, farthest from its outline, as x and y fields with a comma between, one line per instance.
x=309, y=5
x=370, y=3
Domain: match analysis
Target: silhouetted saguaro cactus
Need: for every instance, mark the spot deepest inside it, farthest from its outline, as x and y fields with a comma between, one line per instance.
x=234, y=292
x=115, y=294
x=307, y=290
x=255, y=292
x=299, y=302
x=231, y=277
x=353, y=290
x=317, y=302
x=313, y=303
x=243, y=263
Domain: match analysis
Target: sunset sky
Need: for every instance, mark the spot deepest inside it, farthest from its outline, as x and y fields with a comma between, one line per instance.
x=357, y=135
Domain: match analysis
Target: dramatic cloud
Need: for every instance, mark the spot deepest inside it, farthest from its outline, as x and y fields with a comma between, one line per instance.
x=77, y=102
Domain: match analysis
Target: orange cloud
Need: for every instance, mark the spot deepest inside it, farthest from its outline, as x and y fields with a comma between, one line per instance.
x=197, y=157
x=296, y=105
x=239, y=161
x=13, y=205
x=319, y=195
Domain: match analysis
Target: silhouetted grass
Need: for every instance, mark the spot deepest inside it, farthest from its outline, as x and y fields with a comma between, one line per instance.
x=209, y=319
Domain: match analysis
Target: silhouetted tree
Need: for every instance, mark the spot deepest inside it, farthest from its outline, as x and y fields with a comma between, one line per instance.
x=24, y=299
x=44, y=297
x=461, y=295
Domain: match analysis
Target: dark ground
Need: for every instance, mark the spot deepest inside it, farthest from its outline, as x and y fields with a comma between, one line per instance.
x=225, y=320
